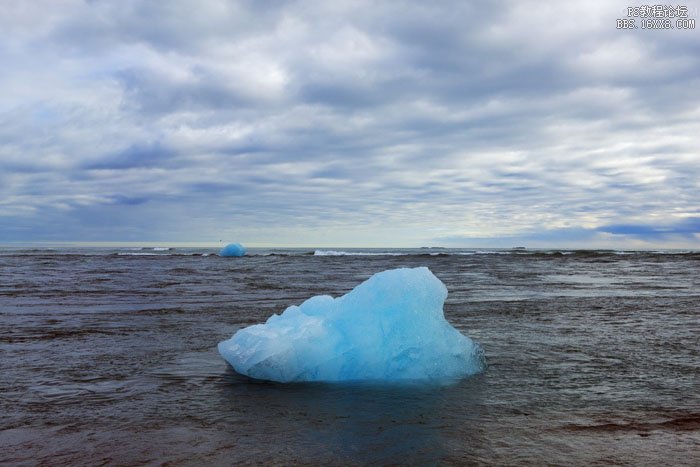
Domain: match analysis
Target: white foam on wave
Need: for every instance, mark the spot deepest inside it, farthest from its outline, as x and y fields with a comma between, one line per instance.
x=482, y=252
x=357, y=253
x=137, y=254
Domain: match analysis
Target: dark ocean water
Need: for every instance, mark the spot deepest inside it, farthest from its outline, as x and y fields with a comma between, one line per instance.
x=109, y=357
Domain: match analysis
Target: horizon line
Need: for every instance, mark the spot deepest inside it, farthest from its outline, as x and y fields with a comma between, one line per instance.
x=155, y=244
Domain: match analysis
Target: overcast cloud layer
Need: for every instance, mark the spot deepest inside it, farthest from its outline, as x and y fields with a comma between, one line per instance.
x=347, y=123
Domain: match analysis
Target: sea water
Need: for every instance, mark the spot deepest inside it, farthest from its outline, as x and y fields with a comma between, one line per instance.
x=109, y=355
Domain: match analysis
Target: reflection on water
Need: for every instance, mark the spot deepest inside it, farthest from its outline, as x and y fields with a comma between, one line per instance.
x=369, y=423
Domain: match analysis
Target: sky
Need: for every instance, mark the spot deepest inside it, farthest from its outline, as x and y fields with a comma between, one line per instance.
x=348, y=123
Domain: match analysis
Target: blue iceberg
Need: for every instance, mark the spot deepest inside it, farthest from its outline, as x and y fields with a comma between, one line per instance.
x=232, y=249
x=389, y=328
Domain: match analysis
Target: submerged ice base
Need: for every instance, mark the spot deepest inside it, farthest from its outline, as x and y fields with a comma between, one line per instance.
x=391, y=327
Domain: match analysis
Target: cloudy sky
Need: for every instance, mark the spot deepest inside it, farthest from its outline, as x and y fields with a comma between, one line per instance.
x=347, y=123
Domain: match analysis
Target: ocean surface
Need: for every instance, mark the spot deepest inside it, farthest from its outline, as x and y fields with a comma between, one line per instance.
x=108, y=356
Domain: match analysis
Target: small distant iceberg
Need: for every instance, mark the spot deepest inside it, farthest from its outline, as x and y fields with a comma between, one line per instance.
x=232, y=249
x=389, y=328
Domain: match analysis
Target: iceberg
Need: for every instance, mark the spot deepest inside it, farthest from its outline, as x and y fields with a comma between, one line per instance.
x=389, y=328
x=232, y=249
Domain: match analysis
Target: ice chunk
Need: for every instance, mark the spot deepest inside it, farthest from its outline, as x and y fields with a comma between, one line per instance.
x=232, y=249
x=390, y=327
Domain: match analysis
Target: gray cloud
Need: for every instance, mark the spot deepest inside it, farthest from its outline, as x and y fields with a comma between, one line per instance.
x=341, y=122
x=136, y=155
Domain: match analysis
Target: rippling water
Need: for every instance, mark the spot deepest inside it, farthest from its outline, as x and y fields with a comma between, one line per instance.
x=108, y=356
